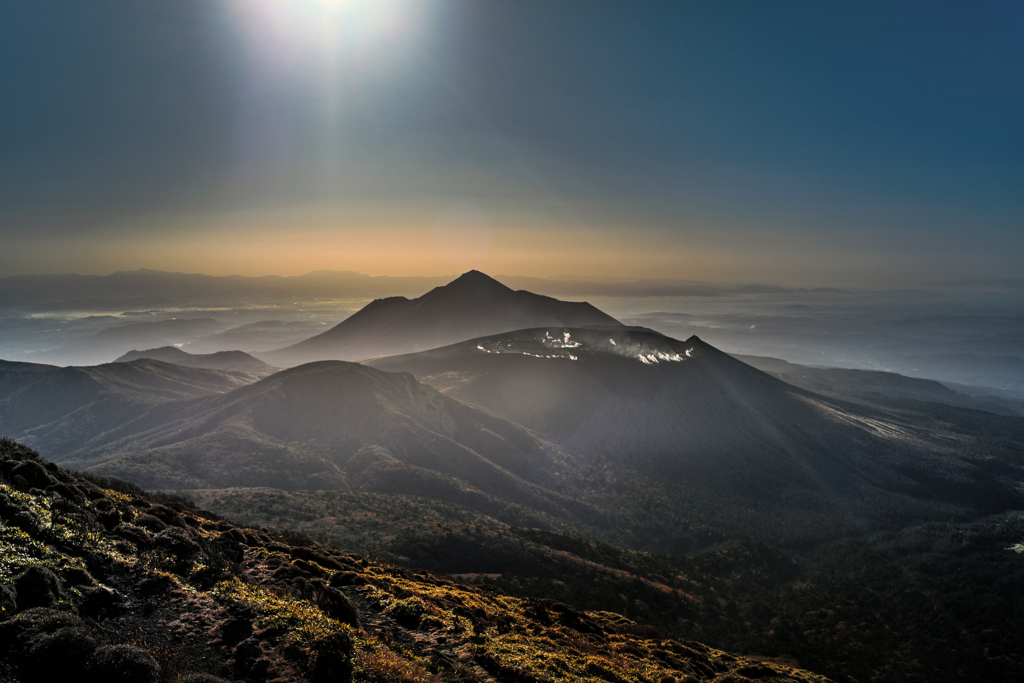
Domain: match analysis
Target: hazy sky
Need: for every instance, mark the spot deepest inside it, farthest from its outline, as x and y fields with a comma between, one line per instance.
x=790, y=142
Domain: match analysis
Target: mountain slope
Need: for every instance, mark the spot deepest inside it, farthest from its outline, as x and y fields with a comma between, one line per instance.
x=332, y=425
x=864, y=383
x=112, y=584
x=222, y=360
x=471, y=306
x=687, y=415
x=61, y=409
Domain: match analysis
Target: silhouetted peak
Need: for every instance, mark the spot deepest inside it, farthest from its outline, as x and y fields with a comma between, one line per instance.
x=473, y=282
x=474, y=278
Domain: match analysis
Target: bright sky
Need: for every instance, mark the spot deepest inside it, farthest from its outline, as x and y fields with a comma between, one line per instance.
x=797, y=143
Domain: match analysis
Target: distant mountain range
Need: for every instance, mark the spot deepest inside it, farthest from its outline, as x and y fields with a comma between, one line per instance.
x=142, y=289
x=471, y=306
x=572, y=417
x=552, y=424
x=868, y=384
x=499, y=431
x=61, y=410
x=221, y=360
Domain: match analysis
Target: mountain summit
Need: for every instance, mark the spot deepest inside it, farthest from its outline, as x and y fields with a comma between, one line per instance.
x=472, y=305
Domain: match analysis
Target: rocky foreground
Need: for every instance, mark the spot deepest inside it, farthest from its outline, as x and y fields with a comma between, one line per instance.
x=100, y=581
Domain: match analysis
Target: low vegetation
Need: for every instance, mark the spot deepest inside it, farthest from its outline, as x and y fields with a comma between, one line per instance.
x=933, y=602
x=103, y=582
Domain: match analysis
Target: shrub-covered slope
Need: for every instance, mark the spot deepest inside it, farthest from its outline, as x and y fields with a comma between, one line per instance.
x=940, y=602
x=102, y=582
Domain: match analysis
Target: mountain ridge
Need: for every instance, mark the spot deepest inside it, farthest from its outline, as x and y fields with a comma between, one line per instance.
x=470, y=306
x=220, y=360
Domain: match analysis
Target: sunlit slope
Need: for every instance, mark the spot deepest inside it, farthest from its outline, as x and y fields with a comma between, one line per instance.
x=688, y=413
x=64, y=409
x=333, y=425
x=471, y=306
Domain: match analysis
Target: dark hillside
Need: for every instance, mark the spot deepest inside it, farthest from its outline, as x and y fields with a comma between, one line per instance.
x=340, y=425
x=61, y=409
x=221, y=360
x=935, y=602
x=100, y=581
x=689, y=418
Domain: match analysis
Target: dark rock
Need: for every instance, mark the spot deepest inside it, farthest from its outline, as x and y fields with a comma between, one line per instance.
x=38, y=587
x=124, y=664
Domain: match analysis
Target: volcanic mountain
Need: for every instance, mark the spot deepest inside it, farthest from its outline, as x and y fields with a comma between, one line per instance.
x=471, y=306
x=683, y=412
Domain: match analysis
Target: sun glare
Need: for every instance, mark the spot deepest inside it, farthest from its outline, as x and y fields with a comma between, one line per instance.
x=319, y=28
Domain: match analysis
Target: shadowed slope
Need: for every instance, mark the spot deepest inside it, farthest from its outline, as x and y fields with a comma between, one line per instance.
x=687, y=413
x=236, y=362
x=221, y=360
x=61, y=409
x=471, y=306
x=338, y=425
x=181, y=594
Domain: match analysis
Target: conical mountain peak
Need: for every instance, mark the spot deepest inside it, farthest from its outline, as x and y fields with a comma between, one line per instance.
x=470, y=306
x=473, y=280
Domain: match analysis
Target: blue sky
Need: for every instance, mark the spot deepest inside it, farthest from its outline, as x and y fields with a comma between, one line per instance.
x=792, y=142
